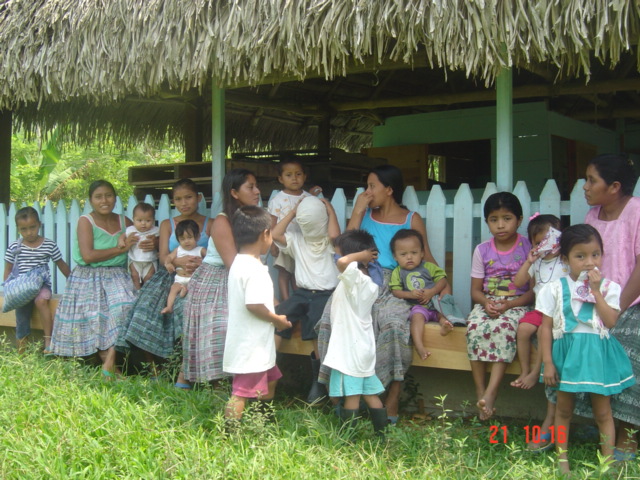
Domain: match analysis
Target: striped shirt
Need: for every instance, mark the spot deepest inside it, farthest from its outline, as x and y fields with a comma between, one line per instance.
x=32, y=257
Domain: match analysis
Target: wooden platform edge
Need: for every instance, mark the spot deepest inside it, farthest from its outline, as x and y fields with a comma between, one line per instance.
x=448, y=352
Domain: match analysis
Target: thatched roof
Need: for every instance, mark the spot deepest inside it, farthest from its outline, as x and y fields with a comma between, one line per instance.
x=79, y=56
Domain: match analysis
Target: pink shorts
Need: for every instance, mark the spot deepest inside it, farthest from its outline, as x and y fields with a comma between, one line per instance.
x=254, y=385
x=534, y=317
x=429, y=315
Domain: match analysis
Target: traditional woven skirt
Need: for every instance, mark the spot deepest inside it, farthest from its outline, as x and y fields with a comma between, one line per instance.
x=626, y=405
x=392, y=330
x=94, y=306
x=493, y=339
x=205, y=324
x=148, y=329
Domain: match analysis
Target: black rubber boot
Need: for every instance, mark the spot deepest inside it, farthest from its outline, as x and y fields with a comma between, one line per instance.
x=318, y=391
x=349, y=421
x=379, y=420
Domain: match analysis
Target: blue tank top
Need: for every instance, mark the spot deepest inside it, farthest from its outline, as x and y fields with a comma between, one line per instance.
x=382, y=234
x=202, y=241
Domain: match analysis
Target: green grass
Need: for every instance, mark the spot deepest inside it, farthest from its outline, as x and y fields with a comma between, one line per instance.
x=60, y=420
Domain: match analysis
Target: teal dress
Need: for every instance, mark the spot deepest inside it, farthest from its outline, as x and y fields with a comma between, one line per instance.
x=589, y=362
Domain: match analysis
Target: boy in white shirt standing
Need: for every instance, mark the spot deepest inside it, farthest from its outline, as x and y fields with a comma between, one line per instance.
x=250, y=351
x=351, y=353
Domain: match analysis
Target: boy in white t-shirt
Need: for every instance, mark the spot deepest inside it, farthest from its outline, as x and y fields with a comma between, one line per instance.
x=351, y=353
x=250, y=350
x=315, y=270
x=142, y=264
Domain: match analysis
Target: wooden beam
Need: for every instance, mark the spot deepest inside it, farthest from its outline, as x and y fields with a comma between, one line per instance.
x=242, y=99
x=525, y=91
x=194, y=131
x=5, y=156
x=606, y=114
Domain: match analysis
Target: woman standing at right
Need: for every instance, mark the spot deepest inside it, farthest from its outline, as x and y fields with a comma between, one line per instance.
x=205, y=308
x=615, y=213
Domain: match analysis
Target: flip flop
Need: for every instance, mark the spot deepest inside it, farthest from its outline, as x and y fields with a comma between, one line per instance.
x=622, y=456
x=182, y=386
x=539, y=448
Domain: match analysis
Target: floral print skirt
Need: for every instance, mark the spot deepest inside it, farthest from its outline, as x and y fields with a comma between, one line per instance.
x=493, y=339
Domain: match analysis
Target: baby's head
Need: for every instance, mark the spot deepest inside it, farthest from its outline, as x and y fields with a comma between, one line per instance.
x=313, y=219
x=291, y=175
x=251, y=224
x=407, y=247
x=581, y=248
x=188, y=234
x=28, y=223
x=144, y=217
x=354, y=241
x=539, y=226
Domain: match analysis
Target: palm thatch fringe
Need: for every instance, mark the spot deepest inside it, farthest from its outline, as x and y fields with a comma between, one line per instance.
x=129, y=122
x=103, y=50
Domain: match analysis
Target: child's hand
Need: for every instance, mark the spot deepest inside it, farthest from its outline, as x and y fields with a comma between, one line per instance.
x=533, y=256
x=170, y=267
x=550, y=375
x=594, y=279
x=493, y=308
x=122, y=239
x=281, y=322
x=369, y=256
x=315, y=191
x=425, y=296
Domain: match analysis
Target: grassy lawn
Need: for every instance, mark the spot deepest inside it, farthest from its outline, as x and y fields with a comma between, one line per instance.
x=60, y=420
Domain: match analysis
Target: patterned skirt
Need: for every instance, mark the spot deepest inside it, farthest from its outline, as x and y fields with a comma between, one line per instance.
x=392, y=330
x=94, y=306
x=148, y=329
x=626, y=405
x=205, y=324
x=493, y=339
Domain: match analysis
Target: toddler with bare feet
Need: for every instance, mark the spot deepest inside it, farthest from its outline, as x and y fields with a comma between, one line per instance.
x=422, y=283
x=187, y=233
x=543, y=265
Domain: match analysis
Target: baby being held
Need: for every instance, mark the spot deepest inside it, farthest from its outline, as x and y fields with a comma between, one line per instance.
x=187, y=233
x=421, y=283
x=142, y=264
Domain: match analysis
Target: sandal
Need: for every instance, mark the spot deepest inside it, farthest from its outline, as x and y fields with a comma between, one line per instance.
x=622, y=456
x=107, y=375
x=182, y=386
x=543, y=445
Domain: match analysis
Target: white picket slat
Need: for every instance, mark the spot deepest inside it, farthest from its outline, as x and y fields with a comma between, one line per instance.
x=63, y=242
x=489, y=190
x=462, y=246
x=3, y=234
x=578, y=206
x=339, y=203
x=550, y=199
x=436, y=223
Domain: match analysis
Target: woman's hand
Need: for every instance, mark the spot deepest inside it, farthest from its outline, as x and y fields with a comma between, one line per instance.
x=362, y=202
x=130, y=241
x=189, y=263
x=149, y=244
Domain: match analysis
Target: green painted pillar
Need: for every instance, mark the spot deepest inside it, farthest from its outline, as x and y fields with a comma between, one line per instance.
x=504, y=130
x=218, y=147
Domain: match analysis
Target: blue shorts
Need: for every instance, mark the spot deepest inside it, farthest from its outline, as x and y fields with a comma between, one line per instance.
x=341, y=385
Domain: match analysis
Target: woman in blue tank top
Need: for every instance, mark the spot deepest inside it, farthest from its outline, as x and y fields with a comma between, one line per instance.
x=149, y=330
x=379, y=211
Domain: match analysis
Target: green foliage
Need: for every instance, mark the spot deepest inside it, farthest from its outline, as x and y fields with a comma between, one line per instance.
x=61, y=420
x=54, y=170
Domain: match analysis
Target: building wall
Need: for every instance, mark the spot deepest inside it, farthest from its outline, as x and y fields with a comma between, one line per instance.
x=533, y=126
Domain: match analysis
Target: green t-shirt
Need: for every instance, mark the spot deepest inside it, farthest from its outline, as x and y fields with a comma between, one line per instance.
x=423, y=276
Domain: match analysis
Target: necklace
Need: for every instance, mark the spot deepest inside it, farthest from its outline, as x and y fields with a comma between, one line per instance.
x=555, y=263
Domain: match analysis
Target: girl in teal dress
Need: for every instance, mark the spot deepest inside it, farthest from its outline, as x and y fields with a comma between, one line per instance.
x=578, y=352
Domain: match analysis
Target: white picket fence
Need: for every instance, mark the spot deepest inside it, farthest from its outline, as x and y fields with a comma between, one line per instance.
x=456, y=227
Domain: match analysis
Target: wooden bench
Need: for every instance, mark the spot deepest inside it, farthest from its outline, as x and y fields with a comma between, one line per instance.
x=449, y=352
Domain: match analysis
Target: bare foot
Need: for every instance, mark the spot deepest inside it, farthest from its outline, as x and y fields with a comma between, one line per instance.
x=485, y=405
x=166, y=310
x=517, y=383
x=529, y=380
x=445, y=326
x=422, y=353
